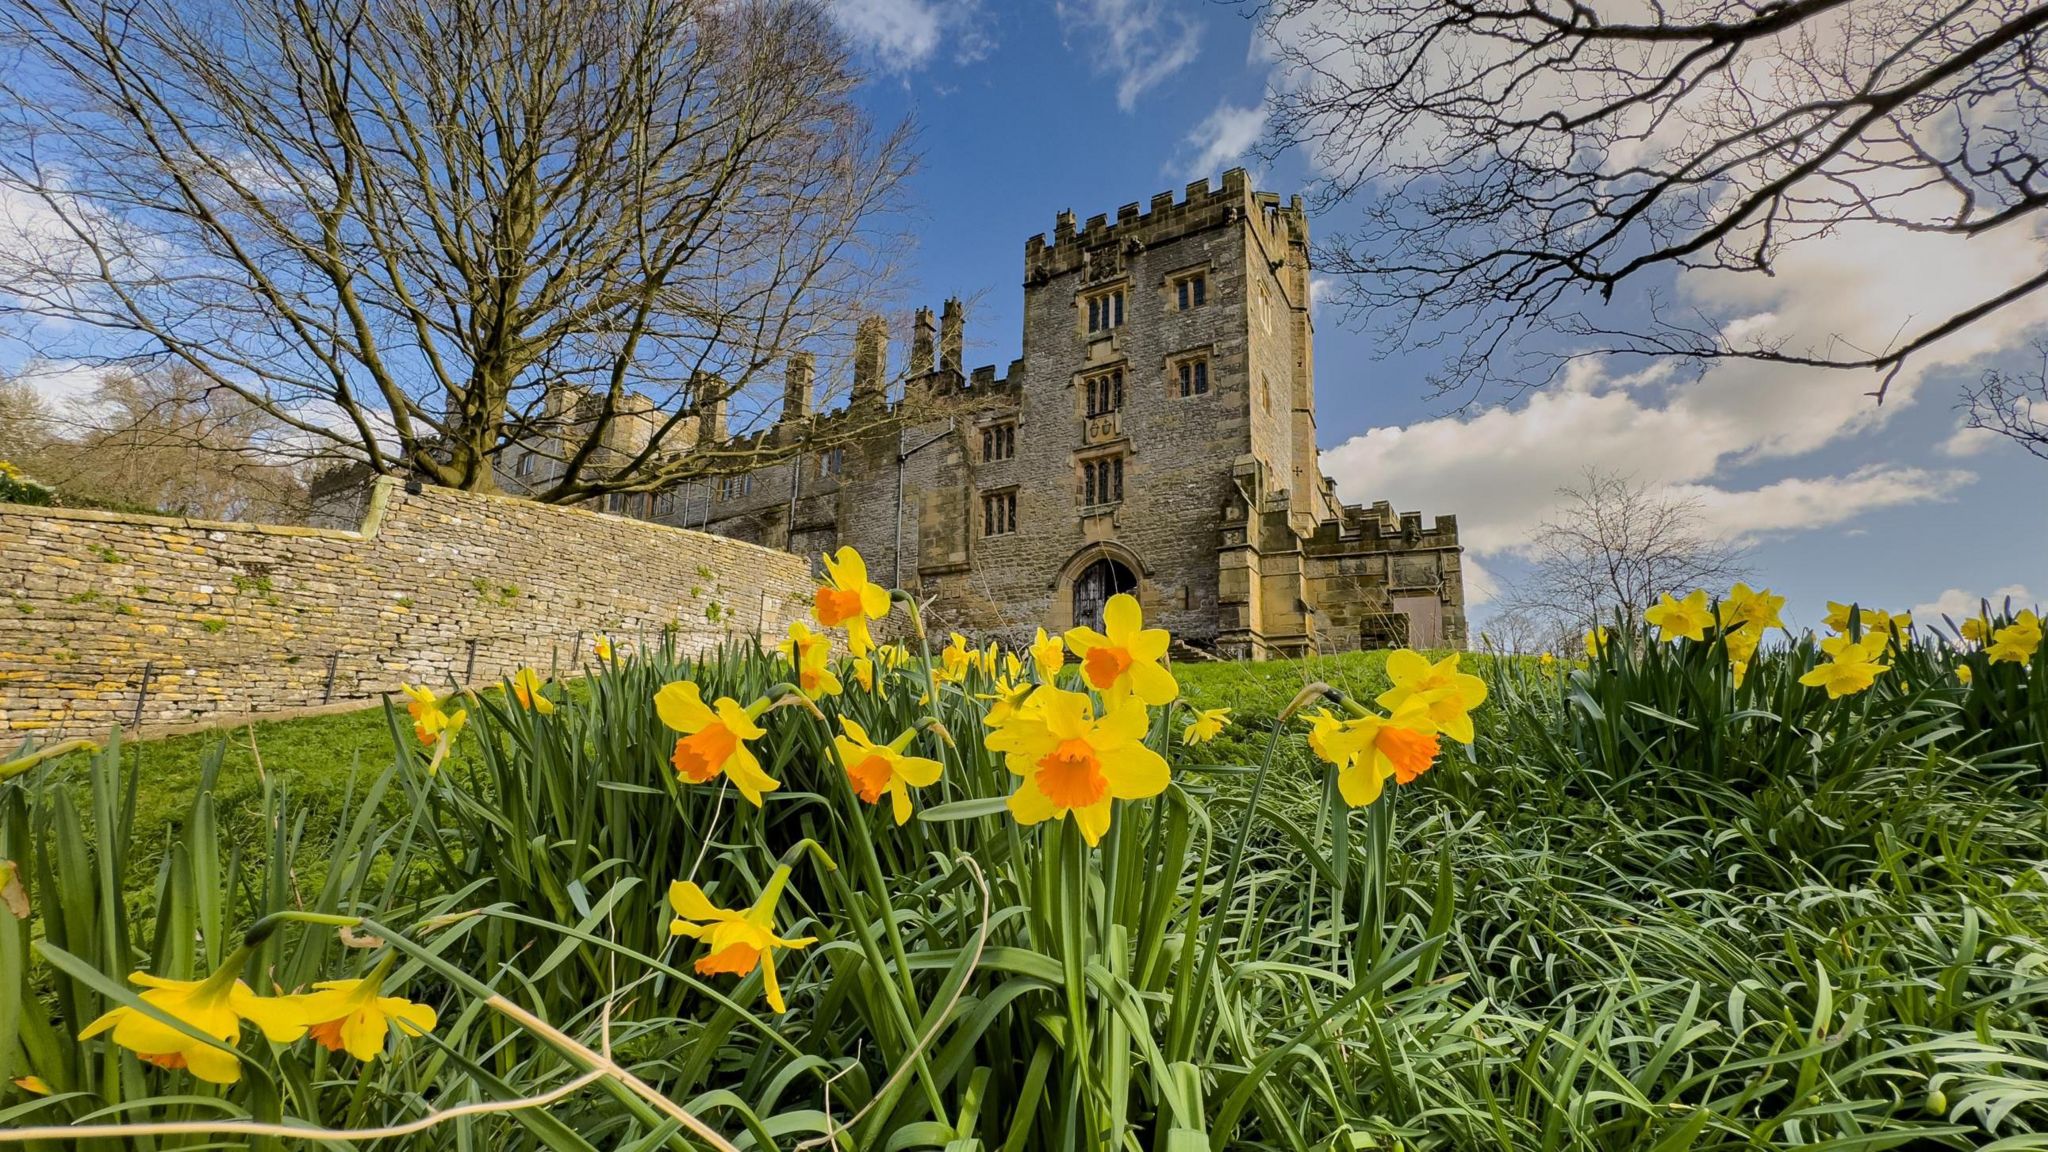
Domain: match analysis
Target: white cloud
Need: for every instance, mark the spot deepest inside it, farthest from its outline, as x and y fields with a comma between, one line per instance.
x=1139, y=42
x=904, y=35
x=61, y=383
x=1966, y=442
x=1223, y=136
x=1801, y=503
x=1481, y=586
x=1957, y=604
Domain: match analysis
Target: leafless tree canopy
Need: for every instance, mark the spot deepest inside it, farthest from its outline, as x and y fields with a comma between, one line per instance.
x=169, y=441
x=2014, y=404
x=1516, y=158
x=1616, y=545
x=418, y=232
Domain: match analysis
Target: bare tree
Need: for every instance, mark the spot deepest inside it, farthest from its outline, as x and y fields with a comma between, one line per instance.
x=1616, y=545
x=1515, y=159
x=168, y=441
x=24, y=422
x=423, y=232
x=2013, y=404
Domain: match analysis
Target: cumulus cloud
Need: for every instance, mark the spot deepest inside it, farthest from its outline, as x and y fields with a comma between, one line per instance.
x=1958, y=604
x=1223, y=136
x=1138, y=42
x=1966, y=442
x=904, y=35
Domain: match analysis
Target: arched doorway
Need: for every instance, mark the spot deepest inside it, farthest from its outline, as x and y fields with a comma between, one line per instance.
x=1095, y=585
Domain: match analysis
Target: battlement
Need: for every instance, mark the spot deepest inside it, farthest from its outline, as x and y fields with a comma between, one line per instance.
x=1379, y=522
x=1166, y=219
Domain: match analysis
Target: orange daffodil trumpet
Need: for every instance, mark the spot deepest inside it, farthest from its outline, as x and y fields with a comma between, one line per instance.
x=849, y=599
x=431, y=723
x=1073, y=761
x=215, y=1006
x=1369, y=750
x=526, y=684
x=876, y=770
x=1124, y=660
x=355, y=1016
x=714, y=738
x=811, y=653
x=740, y=940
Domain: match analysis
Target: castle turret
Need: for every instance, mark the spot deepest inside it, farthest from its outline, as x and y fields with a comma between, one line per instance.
x=871, y=361
x=952, y=328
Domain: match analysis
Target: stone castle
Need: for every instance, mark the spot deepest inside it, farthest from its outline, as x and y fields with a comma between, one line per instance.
x=1157, y=436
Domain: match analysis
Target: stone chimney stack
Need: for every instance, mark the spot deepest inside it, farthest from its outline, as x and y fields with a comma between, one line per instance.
x=797, y=375
x=711, y=418
x=923, y=334
x=952, y=327
x=871, y=361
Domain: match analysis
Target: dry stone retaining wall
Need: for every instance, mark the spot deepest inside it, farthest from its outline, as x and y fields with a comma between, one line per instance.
x=225, y=620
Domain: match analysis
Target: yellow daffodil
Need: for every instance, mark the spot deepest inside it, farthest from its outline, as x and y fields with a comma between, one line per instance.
x=1852, y=667
x=849, y=599
x=1073, y=761
x=1872, y=621
x=864, y=673
x=33, y=1085
x=215, y=1006
x=526, y=685
x=1545, y=660
x=811, y=653
x=1963, y=674
x=1124, y=659
x=1448, y=695
x=740, y=941
x=1976, y=630
x=1008, y=699
x=2017, y=642
x=1206, y=726
x=1367, y=751
x=1739, y=671
x=956, y=659
x=1742, y=642
x=1758, y=608
x=602, y=646
x=1013, y=668
x=893, y=656
x=1048, y=655
x=355, y=1016
x=1596, y=642
x=1688, y=618
x=878, y=769
x=431, y=723
x=714, y=740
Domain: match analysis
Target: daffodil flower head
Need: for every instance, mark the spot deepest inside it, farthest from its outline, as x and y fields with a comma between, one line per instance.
x=1853, y=665
x=215, y=1006
x=356, y=1017
x=714, y=739
x=848, y=599
x=602, y=646
x=429, y=719
x=1448, y=695
x=740, y=940
x=1206, y=726
x=1758, y=608
x=956, y=659
x=1742, y=641
x=1681, y=619
x=1124, y=660
x=2017, y=642
x=811, y=653
x=1367, y=751
x=1007, y=700
x=1976, y=630
x=1048, y=656
x=33, y=1085
x=877, y=770
x=1596, y=642
x=864, y=673
x=526, y=684
x=1074, y=761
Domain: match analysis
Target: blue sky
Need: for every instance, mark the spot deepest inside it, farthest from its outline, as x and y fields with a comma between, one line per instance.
x=1025, y=109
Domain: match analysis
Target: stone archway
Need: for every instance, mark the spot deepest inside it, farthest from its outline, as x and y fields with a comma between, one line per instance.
x=1088, y=579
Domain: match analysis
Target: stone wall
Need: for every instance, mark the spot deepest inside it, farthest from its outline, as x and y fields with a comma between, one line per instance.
x=439, y=587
